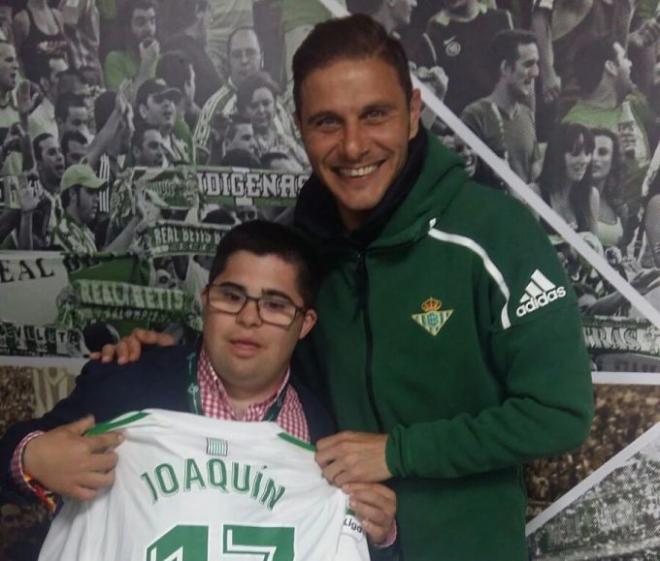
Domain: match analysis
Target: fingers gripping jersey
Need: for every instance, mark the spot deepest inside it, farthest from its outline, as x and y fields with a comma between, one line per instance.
x=192, y=488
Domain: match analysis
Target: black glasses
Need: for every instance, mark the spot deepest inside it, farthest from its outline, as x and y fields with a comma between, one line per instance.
x=273, y=309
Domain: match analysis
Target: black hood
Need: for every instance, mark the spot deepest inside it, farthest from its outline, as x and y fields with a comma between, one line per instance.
x=316, y=211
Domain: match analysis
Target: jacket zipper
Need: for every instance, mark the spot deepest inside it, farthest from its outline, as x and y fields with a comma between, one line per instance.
x=362, y=283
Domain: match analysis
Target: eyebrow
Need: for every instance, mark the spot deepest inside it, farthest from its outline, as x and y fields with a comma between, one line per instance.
x=319, y=114
x=264, y=292
x=381, y=106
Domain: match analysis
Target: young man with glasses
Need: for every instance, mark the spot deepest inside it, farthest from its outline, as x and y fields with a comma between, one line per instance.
x=257, y=305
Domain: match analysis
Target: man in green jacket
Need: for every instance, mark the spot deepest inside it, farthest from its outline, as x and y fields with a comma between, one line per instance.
x=448, y=333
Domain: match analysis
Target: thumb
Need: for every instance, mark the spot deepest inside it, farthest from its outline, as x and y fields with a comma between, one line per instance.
x=81, y=426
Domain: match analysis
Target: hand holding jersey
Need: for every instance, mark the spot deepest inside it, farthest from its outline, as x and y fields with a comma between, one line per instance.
x=349, y=457
x=70, y=464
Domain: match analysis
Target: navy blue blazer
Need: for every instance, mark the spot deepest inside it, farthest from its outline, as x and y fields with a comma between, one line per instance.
x=158, y=380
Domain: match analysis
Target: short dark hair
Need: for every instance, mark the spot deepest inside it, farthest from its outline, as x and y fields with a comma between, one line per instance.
x=126, y=14
x=589, y=63
x=504, y=47
x=36, y=144
x=353, y=37
x=252, y=83
x=261, y=237
x=72, y=136
x=65, y=102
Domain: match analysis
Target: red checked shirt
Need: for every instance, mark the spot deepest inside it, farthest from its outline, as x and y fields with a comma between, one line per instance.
x=216, y=404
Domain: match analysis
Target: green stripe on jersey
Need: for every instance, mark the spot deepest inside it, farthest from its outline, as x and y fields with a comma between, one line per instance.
x=116, y=423
x=293, y=440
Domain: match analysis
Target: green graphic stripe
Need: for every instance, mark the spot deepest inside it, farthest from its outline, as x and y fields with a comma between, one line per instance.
x=293, y=440
x=122, y=421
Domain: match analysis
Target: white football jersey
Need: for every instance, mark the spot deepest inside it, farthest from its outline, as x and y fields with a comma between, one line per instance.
x=192, y=488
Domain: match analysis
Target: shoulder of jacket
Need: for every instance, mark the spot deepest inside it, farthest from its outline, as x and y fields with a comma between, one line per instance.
x=152, y=359
x=492, y=220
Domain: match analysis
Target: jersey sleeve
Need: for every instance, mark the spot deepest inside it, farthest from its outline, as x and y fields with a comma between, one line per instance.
x=537, y=355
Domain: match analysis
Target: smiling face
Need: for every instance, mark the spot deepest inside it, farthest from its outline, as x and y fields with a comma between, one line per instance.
x=250, y=356
x=601, y=164
x=261, y=109
x=576, y=163
x=521, y=75
x=355, y=123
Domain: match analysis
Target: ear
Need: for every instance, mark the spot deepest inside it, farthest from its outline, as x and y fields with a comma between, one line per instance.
x=610, y=67
x=309, y=321
x=504, y=67
x=415, y=112
x=142, y=110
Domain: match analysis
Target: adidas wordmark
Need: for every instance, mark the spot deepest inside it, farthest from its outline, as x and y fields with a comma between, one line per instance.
x=538, y=293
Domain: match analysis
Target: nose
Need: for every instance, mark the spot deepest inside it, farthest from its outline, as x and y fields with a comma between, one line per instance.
x=354, y=143
x=249, y=314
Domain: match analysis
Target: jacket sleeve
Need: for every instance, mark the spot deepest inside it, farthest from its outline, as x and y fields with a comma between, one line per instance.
x=536, y=351
x=66, y=411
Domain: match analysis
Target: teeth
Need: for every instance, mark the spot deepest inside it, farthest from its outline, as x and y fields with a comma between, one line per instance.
x=357, y=172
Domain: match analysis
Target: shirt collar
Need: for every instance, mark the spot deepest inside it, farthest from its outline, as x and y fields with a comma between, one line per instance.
x=206, y=373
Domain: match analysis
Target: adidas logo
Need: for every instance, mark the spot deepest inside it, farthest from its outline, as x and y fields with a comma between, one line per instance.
x=538, y=293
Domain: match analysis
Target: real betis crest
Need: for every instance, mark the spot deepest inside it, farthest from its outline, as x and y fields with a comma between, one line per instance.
x=433, y=317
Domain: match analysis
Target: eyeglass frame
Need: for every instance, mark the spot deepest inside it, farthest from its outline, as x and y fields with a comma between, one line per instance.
x=256, y=300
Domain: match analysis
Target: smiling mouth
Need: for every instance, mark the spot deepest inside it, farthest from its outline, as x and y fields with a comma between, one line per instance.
x=357, y=172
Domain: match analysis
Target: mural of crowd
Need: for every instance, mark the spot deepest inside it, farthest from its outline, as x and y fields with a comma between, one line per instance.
x=183, y=110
